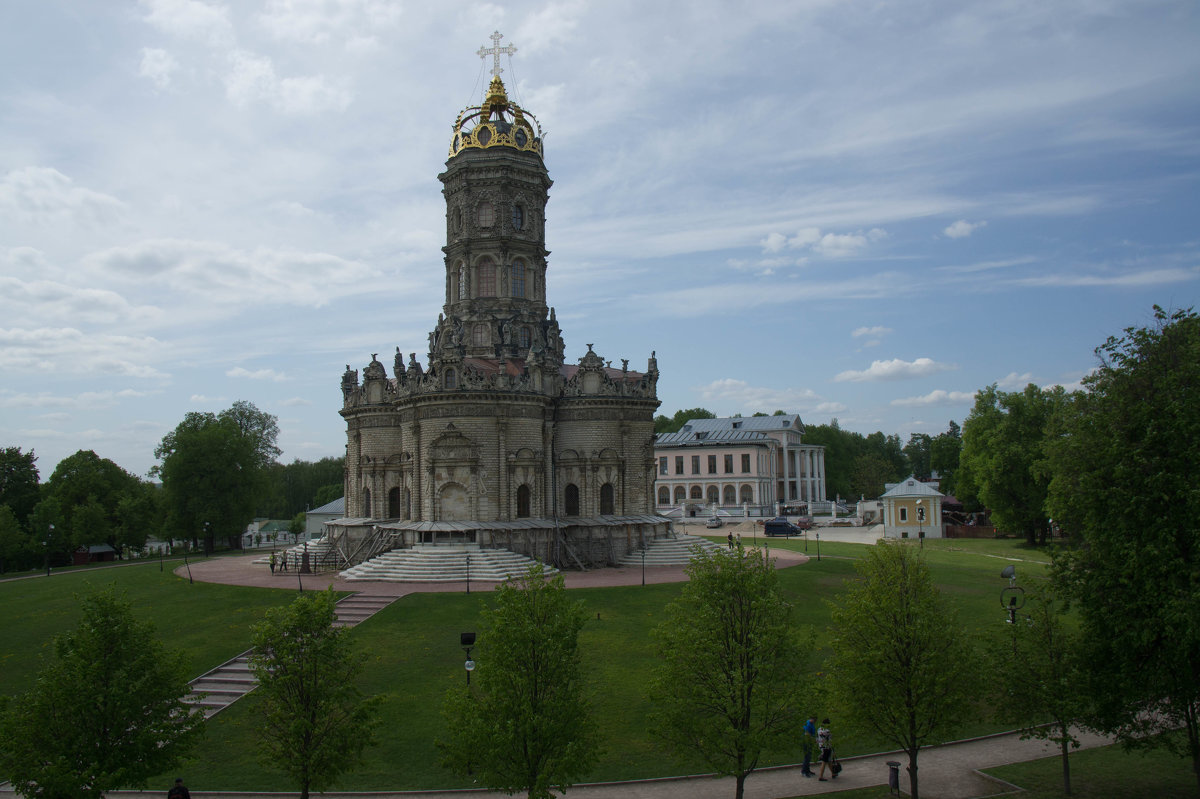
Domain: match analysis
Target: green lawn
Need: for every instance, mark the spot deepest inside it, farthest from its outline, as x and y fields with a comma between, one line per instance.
x=1104, y=773
x=414, y=657
x=210, y=623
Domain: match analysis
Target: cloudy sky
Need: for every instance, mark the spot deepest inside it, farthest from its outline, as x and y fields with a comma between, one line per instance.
x=843, y=209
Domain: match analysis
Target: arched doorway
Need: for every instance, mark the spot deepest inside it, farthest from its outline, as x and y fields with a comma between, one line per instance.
x=607, y=503
x=395, y=509
x=522, y=502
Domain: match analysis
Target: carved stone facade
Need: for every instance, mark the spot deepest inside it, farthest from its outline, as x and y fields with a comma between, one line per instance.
x=496, y=427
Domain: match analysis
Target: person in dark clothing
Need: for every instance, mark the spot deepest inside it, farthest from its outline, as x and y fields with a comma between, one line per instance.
x=179, y=790
x=825, y=741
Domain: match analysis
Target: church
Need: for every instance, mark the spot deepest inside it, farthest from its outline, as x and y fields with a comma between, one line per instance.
x=496, y=441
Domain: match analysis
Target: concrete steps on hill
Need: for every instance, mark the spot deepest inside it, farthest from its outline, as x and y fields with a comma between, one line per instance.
x=218, y=689
x=443, y=564
x=668, y=551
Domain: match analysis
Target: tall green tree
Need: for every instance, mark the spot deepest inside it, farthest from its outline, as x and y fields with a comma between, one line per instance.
x=1003, y=456
x=89, y=497
x=315, y=721
x=15, y=545
x=525, y=723
x=918, y=452
x=213, y=469
x=1039, y=675
x=1124, y=488
x=18, y=481
x=108, y=712
x=901, y=667
x=944, y=451
x=729, y=686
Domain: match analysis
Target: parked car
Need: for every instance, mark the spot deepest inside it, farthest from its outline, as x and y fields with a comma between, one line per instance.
x=804, y=523
x=780, y=526
x=714, y=521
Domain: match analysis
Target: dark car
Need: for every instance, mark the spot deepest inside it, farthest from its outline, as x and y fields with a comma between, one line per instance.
x=780, y=526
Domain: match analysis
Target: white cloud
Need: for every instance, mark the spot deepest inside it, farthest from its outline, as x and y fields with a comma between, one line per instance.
x=1150, y=277
x=223, y=274
x=190, y=19
x=296, y=402
x=50, y=300
x=44, y=195
x=86, y=400
x=894, y=369
x=878, y=330
x=157, y=65
x=1013, y=381
x=251, y=78
x=962, y=228
x=740, y=394
x=319, y=21
x=68, y=350
x=937, y=397
x=259, y=374
x=830, y=245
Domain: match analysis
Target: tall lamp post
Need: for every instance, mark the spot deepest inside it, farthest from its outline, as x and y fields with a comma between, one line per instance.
x=1012, y=599
x=467, y=642
x=46, y=545
x=921, y=523
x=207, y=539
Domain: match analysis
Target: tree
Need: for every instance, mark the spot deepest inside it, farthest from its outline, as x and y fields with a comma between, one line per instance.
x=901, y=667
x=14, y=543
x=316, y=723
x=524, y=724
x=213, y=469
x=728, y=687
x=18, y=481
x=1003, y=454
x=918, y=453
x=92, y=495
x=944, y=452
x=1124, y=488
x=1040, y=677
x=107, y=713
x=664, y=425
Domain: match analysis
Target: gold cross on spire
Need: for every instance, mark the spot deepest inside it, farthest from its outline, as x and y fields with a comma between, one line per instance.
x=495, y=51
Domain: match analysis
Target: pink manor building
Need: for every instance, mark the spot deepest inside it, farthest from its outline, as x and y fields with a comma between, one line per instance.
x=738, y=463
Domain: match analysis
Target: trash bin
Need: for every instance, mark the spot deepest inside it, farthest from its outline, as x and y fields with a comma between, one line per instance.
x=894, y=777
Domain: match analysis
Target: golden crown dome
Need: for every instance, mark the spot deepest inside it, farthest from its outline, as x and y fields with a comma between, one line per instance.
x=497, y=122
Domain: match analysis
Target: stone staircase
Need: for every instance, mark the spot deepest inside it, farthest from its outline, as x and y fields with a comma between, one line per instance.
x=229, y=682
x=668, y=551
x=443, y=564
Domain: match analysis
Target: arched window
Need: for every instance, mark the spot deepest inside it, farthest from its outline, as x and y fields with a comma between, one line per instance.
x=664, y=496
x=747, y=494
x=451, y=379
x=479, y=335
x=697, y=493
x=366, y=512
x=730, y=496
x=607, y=504
x=462, y=281
x=714, y=495
x=394, y=511
x=572, y=499
x=680, y=495
x=523, y=337
x=485, y=278
x=522, y=502
x=518, y=278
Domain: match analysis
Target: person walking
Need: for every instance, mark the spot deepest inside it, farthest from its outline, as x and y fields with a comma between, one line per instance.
x=179, y=790
x=272, y=563
x=809, y=742
x=730, y=537
x=825, y=742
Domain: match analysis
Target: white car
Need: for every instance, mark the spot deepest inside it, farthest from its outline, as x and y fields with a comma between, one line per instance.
x=714, y=521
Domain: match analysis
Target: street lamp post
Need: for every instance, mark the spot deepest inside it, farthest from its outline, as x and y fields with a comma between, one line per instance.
x=1012, y=599
x=818, y=546
x=921, y=523
x=467, y=642
x=46, y=545
x=468, y=573
x=207, y=539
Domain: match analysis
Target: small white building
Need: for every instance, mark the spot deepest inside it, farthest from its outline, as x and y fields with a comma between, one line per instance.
x=912, y=509
x=316, y=519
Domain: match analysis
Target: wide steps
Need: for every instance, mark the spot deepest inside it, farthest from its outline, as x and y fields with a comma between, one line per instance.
x=443, y=565
x=668, y=552
x=229, y=682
